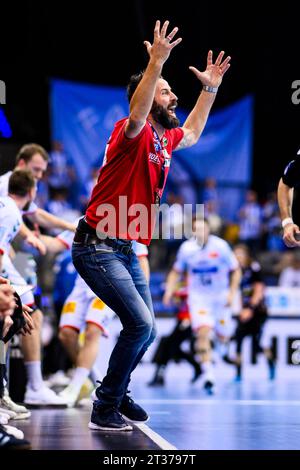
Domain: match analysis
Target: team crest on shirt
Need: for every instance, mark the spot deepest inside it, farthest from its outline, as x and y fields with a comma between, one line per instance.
x=213, y=254
x=165, y=142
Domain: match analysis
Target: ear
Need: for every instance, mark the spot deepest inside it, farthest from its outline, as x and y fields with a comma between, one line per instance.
x=21, y=163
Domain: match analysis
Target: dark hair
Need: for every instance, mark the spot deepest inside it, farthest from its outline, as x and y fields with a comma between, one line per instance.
x=134, y=82
x=20, y=183
x=27, y=151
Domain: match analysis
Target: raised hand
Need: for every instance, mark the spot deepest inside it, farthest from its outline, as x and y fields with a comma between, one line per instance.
x=160, y=49
x=214, y=72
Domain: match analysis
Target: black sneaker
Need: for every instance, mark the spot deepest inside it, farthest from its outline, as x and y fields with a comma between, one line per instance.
x=209, y=387
x=132, y=411
x=9, y=442
x=197, y=373
x=107, y=418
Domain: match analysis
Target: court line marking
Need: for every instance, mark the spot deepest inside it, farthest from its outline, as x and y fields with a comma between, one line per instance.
x=221, y=402
x=155, y=437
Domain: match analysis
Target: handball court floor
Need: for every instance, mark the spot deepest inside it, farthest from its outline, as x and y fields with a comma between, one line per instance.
x=253, y=415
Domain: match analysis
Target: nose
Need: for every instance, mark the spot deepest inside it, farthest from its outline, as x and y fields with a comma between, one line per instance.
x=173, y=96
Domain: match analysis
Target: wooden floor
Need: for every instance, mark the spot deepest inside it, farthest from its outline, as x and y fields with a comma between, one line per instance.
x=67, y=429
x=254, y=415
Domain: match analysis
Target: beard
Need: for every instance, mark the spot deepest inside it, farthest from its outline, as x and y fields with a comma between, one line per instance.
x=163, y=117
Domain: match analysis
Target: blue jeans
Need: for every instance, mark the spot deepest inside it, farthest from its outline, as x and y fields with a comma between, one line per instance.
x=119, y=281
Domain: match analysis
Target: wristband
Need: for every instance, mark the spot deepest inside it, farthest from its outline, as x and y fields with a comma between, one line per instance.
x=286, y=222
x=210, y=89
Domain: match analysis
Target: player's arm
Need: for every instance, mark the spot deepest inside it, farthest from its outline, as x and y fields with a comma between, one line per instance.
x=171, y=285
x=47, y=220
x=53, y=244
x=32, y=239
x=211, y=77
x=285, y=195
x=258, y=294
x=235, y=280
x=142, y=99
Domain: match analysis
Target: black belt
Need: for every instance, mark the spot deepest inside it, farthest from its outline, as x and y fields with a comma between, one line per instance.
x=82, y=238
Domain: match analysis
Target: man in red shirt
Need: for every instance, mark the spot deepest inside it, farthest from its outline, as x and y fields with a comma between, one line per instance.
x=122, y=208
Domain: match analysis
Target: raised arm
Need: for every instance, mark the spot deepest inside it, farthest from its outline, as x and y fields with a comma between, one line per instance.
x=211, y=79
x=285, y=202
x=142, y=99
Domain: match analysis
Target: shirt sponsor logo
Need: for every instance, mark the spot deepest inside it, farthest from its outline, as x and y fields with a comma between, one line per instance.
x=154, y=158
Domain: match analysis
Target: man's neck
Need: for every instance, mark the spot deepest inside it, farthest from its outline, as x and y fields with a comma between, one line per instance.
x=20, y=201
x=159, y=129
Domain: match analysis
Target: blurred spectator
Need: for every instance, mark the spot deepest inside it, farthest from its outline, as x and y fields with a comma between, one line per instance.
x=290, y=276
x=272, y=236
x=88, y=188
x=250, y=219
x=172, y=226
x=60, y=207
x=270, y=209
x=210, y=194
x=214, y=220
x=61, y=170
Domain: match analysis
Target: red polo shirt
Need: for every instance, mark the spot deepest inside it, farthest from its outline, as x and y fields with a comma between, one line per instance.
x=122, y=202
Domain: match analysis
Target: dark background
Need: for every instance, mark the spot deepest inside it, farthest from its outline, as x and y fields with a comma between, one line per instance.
x=102, y=42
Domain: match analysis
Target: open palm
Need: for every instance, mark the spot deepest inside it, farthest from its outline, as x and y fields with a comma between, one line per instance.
x=214, y=72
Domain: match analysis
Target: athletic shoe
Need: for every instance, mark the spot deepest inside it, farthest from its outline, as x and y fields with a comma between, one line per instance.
x=93, y=395
x=4, y=418
x=107, y=418
x=43, y=397
x=9, y=442
x=6, y=411
x=86, y=389
x=132, y=411
x=69, y=395
x=17, y=433
x=6, y=402
x=272, y=369
x=209, y=387
x=59, y=379
x=197, y=374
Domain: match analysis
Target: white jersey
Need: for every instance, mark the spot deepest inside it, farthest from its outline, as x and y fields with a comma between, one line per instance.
x=10, y=222
x=4, y=179
x=207, y=267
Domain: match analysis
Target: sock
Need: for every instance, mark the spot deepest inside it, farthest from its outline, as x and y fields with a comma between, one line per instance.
x=96, y=374
x=208, y=370
x=34, y=375
x=222, y=348
x=79, y=377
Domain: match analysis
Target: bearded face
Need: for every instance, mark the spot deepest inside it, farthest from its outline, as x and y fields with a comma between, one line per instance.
x=166, y=117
